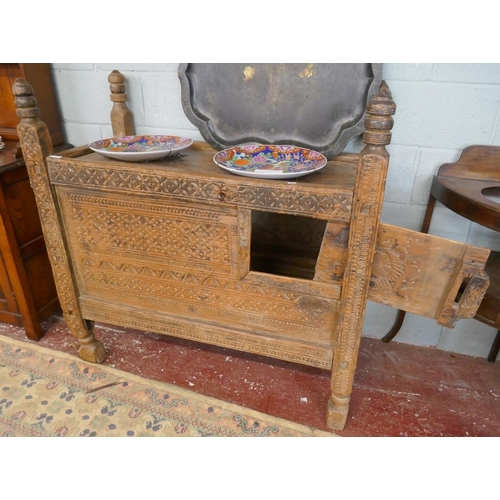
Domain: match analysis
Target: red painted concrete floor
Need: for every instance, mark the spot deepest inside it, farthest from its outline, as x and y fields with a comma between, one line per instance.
x=399, y=390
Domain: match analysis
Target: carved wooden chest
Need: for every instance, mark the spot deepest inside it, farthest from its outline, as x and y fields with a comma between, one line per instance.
x=278, y=268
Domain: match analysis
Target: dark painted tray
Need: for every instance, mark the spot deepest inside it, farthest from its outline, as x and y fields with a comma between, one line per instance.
x=317, y=106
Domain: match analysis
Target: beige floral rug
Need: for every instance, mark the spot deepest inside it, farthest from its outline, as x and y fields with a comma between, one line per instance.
x=44, y=393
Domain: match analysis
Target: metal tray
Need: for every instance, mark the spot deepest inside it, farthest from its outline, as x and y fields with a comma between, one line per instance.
x=316, y=106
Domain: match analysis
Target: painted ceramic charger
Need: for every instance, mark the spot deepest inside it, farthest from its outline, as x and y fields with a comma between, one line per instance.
x=270, y=162
x=141, y=147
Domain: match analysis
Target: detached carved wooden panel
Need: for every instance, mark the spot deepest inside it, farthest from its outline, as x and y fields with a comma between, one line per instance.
x=422, y=274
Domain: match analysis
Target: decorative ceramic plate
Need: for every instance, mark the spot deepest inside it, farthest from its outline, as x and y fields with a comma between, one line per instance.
x=270, y=162
x=140, y=147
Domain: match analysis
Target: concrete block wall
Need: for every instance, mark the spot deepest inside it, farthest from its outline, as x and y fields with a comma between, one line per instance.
x=442, y=108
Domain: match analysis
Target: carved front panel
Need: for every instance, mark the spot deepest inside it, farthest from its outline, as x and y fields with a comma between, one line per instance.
x=182, y=237
x=181, y=259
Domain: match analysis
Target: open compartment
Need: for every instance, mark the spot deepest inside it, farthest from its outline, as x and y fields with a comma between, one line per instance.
x=285, y=245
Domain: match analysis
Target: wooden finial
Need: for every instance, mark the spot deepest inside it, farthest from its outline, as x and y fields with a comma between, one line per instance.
x=25, y=100
x=28, y=112
x=378, y=120
x=122, y=120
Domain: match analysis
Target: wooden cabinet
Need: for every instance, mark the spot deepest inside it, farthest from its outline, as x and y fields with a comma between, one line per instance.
x=39, y=75
x=27, y=290
x=278, y=268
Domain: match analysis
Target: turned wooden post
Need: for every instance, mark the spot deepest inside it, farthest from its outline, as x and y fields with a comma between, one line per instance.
x=36, y=146
x=122, y=120
x=366, y=209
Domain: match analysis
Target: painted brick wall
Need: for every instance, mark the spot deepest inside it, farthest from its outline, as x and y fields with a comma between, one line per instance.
x=442, y=108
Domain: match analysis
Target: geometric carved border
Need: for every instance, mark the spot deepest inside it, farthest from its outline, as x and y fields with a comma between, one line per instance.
x=279, y=197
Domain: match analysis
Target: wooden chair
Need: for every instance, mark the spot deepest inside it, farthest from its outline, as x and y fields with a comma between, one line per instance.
x=463, y=187
x=273, y=267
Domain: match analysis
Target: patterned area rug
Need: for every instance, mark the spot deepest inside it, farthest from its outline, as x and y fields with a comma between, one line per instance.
x=44, y=393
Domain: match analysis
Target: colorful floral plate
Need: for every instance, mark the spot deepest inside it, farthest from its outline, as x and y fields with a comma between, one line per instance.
x=270, y=162
x=140, y=147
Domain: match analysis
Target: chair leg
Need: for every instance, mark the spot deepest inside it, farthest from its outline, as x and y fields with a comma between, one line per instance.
x=492, y=356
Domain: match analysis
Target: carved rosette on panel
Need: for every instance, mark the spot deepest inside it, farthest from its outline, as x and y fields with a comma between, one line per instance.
x=398, y=268
x=36, y=145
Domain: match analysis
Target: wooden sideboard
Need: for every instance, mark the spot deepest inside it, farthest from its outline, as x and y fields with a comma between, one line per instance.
x=278, y=268
x=27, y=290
